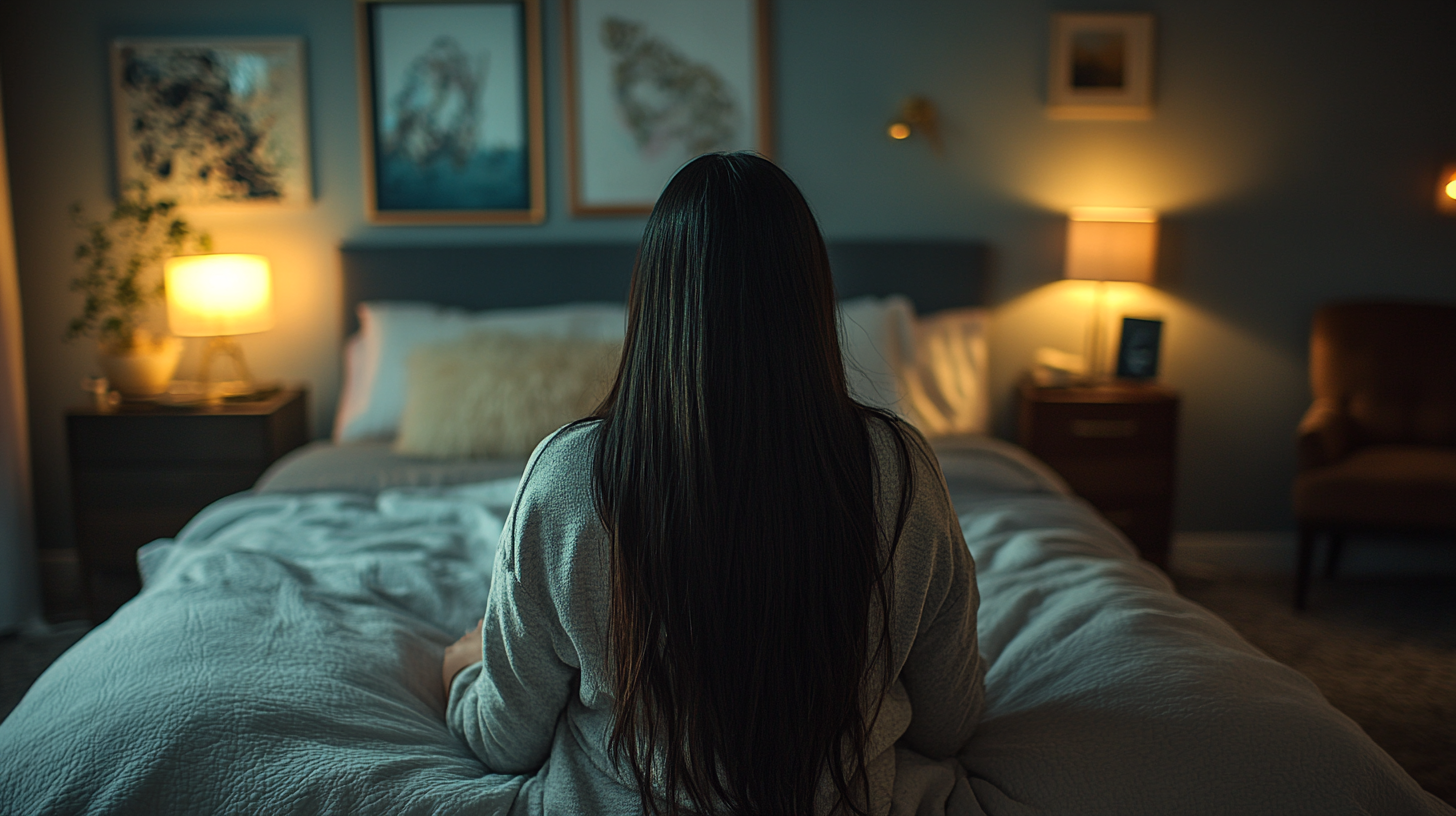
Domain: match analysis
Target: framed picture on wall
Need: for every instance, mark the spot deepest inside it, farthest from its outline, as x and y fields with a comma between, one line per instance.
x=452, y=113
x=1101, y=66
x=651, y=84
x=218, y=121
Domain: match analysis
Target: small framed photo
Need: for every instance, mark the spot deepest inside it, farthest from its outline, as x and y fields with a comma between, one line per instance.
x=212, y=122
x=1101, y=66
x=651, y=84
x=452, y=115
x=1137, y=351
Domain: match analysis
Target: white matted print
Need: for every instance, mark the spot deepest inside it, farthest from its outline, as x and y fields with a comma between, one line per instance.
x=1101, y=66
x=212, y=121
x=653, y=83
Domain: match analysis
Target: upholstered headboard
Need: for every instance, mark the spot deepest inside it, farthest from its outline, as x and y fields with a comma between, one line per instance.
x=935, y=275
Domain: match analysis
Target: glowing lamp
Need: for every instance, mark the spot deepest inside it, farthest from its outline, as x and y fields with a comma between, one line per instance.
x=917, y=115
x=1446, y=190
x=1112, y=244
x=218, y=297
x=1109, y=244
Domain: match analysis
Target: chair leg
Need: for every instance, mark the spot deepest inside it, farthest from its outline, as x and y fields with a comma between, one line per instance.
x=1332, y=559
x=1303, y=566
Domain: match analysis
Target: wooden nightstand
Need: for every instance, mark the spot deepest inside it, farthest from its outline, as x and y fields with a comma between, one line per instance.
x=1115, y=444
x=140, y=471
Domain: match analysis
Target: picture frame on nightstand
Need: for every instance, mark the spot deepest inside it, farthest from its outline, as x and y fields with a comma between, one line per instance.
x=1137, y=350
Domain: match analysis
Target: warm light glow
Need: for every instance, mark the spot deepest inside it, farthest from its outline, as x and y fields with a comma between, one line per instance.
x=899, y=130
x=1446, y=190
x=216, y=295
x=1134, y=215
x=1111, y=244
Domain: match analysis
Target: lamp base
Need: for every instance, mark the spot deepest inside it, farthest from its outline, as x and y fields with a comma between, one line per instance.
x=214, y=390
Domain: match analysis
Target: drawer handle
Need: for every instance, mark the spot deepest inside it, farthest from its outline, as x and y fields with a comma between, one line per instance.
x=1104, y=428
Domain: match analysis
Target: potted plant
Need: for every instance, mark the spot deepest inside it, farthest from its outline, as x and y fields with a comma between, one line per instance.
x=121, y=278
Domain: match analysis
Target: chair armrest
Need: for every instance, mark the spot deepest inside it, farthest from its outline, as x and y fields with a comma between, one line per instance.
x=1324, y=435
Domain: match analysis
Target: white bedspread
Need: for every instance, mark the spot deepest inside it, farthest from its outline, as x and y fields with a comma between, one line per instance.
x=284, y=658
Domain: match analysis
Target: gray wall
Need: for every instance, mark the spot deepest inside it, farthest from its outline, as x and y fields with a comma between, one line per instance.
x=1293, y=156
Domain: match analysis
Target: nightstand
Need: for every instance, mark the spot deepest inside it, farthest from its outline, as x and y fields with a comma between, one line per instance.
x=1116, y=446
x=140, y=471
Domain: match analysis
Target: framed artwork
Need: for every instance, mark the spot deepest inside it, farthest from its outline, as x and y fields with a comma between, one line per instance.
x=1101, y=66
x=650, y=84
x=221, y=121
x=450, y=94
x=1137, y=351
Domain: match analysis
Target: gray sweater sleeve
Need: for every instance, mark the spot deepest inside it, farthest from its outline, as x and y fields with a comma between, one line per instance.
x=943, y=674
x=506, y=707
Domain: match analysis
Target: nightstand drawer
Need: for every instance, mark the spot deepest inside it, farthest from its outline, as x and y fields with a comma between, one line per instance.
x=135, y=487
x=110, y=539
x=1080, y=429
x=103, y=439
x=1108, y=477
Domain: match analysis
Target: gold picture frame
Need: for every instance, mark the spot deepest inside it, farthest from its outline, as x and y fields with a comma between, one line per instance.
x=452, y=122
x=1101, y=66
x=650, y=84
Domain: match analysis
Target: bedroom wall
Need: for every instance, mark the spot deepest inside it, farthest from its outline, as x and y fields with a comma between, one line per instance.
x=1293, y=156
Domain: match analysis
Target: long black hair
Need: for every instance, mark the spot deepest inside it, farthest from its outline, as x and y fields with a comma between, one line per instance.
x=750, y=592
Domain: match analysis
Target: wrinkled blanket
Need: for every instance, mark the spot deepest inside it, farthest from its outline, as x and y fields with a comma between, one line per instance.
x=284, y=657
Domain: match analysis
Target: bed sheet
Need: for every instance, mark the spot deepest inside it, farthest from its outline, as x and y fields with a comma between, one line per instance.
x=284, y=658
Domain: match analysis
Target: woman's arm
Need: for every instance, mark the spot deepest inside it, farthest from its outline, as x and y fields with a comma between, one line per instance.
x=505, y=702
x=462, y=653
x=943, y=674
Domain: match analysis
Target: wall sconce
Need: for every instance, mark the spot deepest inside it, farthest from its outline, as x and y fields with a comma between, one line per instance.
x=1446, y=190
x=917, y=115
x=1109, y=244
x=217, y=297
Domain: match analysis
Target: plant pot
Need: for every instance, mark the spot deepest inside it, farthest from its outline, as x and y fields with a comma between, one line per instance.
x=145, y=370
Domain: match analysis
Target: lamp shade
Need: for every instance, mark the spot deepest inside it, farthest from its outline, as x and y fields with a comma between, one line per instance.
x=1112, y=243
x=217, y=295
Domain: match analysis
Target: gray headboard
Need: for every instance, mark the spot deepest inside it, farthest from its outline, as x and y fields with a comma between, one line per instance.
x=935, y=275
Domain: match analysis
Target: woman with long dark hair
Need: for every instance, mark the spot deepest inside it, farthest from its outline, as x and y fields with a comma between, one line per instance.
x=734, y=589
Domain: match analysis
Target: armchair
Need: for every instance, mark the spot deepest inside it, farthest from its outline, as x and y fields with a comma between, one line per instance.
x=1377, y=448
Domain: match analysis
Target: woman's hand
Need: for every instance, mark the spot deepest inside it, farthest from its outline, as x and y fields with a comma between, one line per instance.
x=460, y=654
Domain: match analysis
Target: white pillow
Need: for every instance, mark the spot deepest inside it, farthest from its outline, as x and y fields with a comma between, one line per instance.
x=931, y=371
x=373, y=396
x=875, y=335
x=946, y=383
x=496, y=394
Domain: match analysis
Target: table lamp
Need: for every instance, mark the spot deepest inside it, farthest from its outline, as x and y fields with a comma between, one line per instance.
x=1109, y=244
x=219, y=297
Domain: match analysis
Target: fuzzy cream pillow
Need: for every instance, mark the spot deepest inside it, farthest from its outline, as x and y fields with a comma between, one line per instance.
x=494, y=394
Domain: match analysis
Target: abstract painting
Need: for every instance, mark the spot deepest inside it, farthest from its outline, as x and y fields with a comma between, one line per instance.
x=650, y=84
x=452, y=99
x=1101, y=66
x=214, y=121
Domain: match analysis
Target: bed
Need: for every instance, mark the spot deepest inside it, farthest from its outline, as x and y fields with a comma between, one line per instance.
x=283, y=656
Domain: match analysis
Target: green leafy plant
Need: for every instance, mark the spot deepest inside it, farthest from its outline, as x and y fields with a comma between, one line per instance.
x=121, y=259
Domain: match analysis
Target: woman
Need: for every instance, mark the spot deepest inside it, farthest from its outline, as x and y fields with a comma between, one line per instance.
x=733, y=590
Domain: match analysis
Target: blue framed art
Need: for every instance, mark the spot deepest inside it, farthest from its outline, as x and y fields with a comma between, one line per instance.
x=452, y=119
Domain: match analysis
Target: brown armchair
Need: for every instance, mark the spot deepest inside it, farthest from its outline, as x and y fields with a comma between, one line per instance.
x=1377, y=449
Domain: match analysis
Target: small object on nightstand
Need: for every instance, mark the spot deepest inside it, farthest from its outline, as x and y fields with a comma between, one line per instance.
x=141, y=470
x=1116, y=445
x=100, y=390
